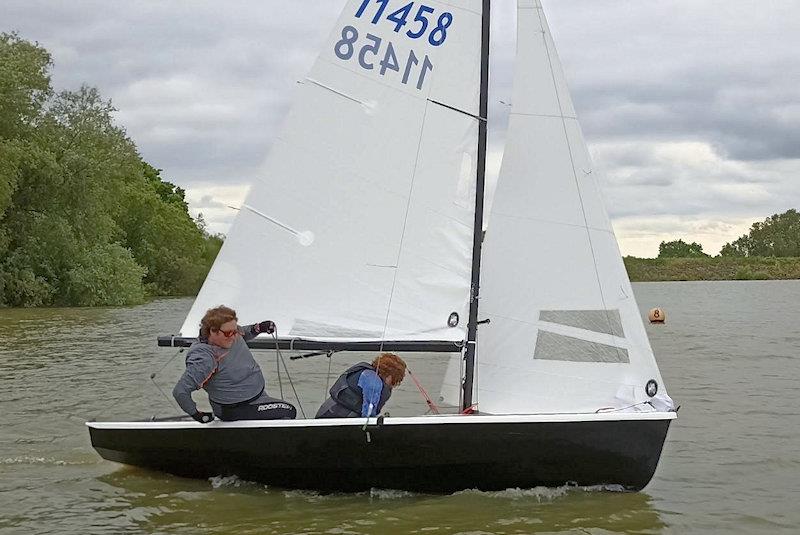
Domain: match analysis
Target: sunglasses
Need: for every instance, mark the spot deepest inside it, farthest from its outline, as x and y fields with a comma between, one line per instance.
x=228, y=334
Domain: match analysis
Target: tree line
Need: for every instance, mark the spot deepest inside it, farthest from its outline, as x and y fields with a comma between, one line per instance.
x=777, y=237
x=84, y=220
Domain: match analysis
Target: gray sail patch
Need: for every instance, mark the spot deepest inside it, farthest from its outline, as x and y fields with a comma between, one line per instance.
x=599, y=321
x=552, y=346
x=309, y=328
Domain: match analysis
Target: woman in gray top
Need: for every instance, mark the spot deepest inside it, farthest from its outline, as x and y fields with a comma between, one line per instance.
x=221, y=363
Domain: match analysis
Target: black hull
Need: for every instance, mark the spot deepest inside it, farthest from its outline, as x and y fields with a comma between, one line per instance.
x=441, y=457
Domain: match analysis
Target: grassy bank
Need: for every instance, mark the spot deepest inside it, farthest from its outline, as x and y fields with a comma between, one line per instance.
x=711, y=269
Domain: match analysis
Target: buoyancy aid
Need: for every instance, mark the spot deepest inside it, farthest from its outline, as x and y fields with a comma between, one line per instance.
x=347, y=397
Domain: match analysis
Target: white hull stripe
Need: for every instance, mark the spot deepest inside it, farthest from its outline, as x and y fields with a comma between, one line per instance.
x=416, y=420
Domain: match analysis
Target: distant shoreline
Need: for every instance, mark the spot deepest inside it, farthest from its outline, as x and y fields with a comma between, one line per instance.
x=711, y=269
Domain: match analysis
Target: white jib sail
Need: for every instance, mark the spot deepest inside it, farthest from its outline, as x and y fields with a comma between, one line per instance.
x=360, y=227
x=566, y=335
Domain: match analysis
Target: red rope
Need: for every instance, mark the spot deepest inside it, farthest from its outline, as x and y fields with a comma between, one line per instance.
x=431, y=405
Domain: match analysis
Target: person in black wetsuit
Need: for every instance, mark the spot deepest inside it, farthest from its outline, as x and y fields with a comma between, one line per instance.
x=364, y=389
x=221, y=363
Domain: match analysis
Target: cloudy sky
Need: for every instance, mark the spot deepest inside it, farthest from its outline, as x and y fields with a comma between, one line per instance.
x=691, y=108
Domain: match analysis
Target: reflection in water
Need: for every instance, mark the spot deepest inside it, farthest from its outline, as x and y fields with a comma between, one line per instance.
x=159, y=503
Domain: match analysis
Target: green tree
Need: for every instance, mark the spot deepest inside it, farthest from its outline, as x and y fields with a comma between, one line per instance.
x=106, y=274
x=24, y=88
x=168, y=192
x=84, y=220
x=680, y=249
x=24, y=84
x=778, y=236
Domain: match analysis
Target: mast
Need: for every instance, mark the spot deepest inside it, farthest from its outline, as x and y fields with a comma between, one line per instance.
x=477, y=241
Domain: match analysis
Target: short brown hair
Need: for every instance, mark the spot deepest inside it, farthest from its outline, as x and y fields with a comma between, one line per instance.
x=390, y=365
x=215, y=318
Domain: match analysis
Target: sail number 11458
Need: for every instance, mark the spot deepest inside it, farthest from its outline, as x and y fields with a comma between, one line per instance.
x=424, y=20
x=368, y=54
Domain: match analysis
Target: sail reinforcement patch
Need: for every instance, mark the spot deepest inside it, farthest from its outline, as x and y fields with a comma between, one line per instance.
x=599, y=321
x=552, y=346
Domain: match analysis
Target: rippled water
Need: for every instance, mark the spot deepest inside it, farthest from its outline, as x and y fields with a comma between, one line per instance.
x=728, y=353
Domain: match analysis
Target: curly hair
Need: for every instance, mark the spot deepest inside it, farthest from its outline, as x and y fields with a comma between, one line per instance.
x=390, y=365
x=215, y=318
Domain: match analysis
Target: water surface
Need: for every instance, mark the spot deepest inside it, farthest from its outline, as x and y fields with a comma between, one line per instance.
x=728, y=354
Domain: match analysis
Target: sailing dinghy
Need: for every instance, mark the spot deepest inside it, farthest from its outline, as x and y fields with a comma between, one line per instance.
x=365, y=234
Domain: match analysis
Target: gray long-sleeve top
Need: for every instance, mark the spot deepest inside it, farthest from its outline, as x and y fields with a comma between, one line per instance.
x=227, y=375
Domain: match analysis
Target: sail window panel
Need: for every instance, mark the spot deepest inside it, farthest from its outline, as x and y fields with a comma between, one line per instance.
x=600, y=321
x=543, y=186
x=552, y=346
x=535, y=92
x=530, y=266
x=511, y=381
x=588, y=179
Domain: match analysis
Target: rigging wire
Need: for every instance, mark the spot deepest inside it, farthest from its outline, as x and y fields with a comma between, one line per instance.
x=153, y=375
x=288, y=375
x=278, y=364
x=170, y=401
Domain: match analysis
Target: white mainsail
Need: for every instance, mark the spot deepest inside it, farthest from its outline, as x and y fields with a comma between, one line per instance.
x=361, y=226
x=566, y=335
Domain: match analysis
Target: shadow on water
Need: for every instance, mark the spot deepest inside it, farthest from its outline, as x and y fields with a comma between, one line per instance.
x=157, y=503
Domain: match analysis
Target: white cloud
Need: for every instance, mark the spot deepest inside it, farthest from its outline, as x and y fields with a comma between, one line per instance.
x=218, y=204
x=689, y=106
x=649, y=179
x=641, y=236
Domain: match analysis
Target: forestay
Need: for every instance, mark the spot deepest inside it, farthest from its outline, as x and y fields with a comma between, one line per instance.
x=566, y=334
x=360, y=227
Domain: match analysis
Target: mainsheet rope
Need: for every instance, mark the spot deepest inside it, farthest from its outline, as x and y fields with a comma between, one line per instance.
x=288, y=375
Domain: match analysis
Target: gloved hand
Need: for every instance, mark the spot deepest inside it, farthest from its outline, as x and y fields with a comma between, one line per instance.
x=265, y=327
x=203, y=417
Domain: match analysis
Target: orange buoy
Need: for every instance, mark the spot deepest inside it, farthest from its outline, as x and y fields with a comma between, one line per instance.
x=657, y=315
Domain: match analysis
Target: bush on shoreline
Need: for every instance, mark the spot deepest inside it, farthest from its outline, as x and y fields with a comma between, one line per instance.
x=711, y=269
x=84, y=220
